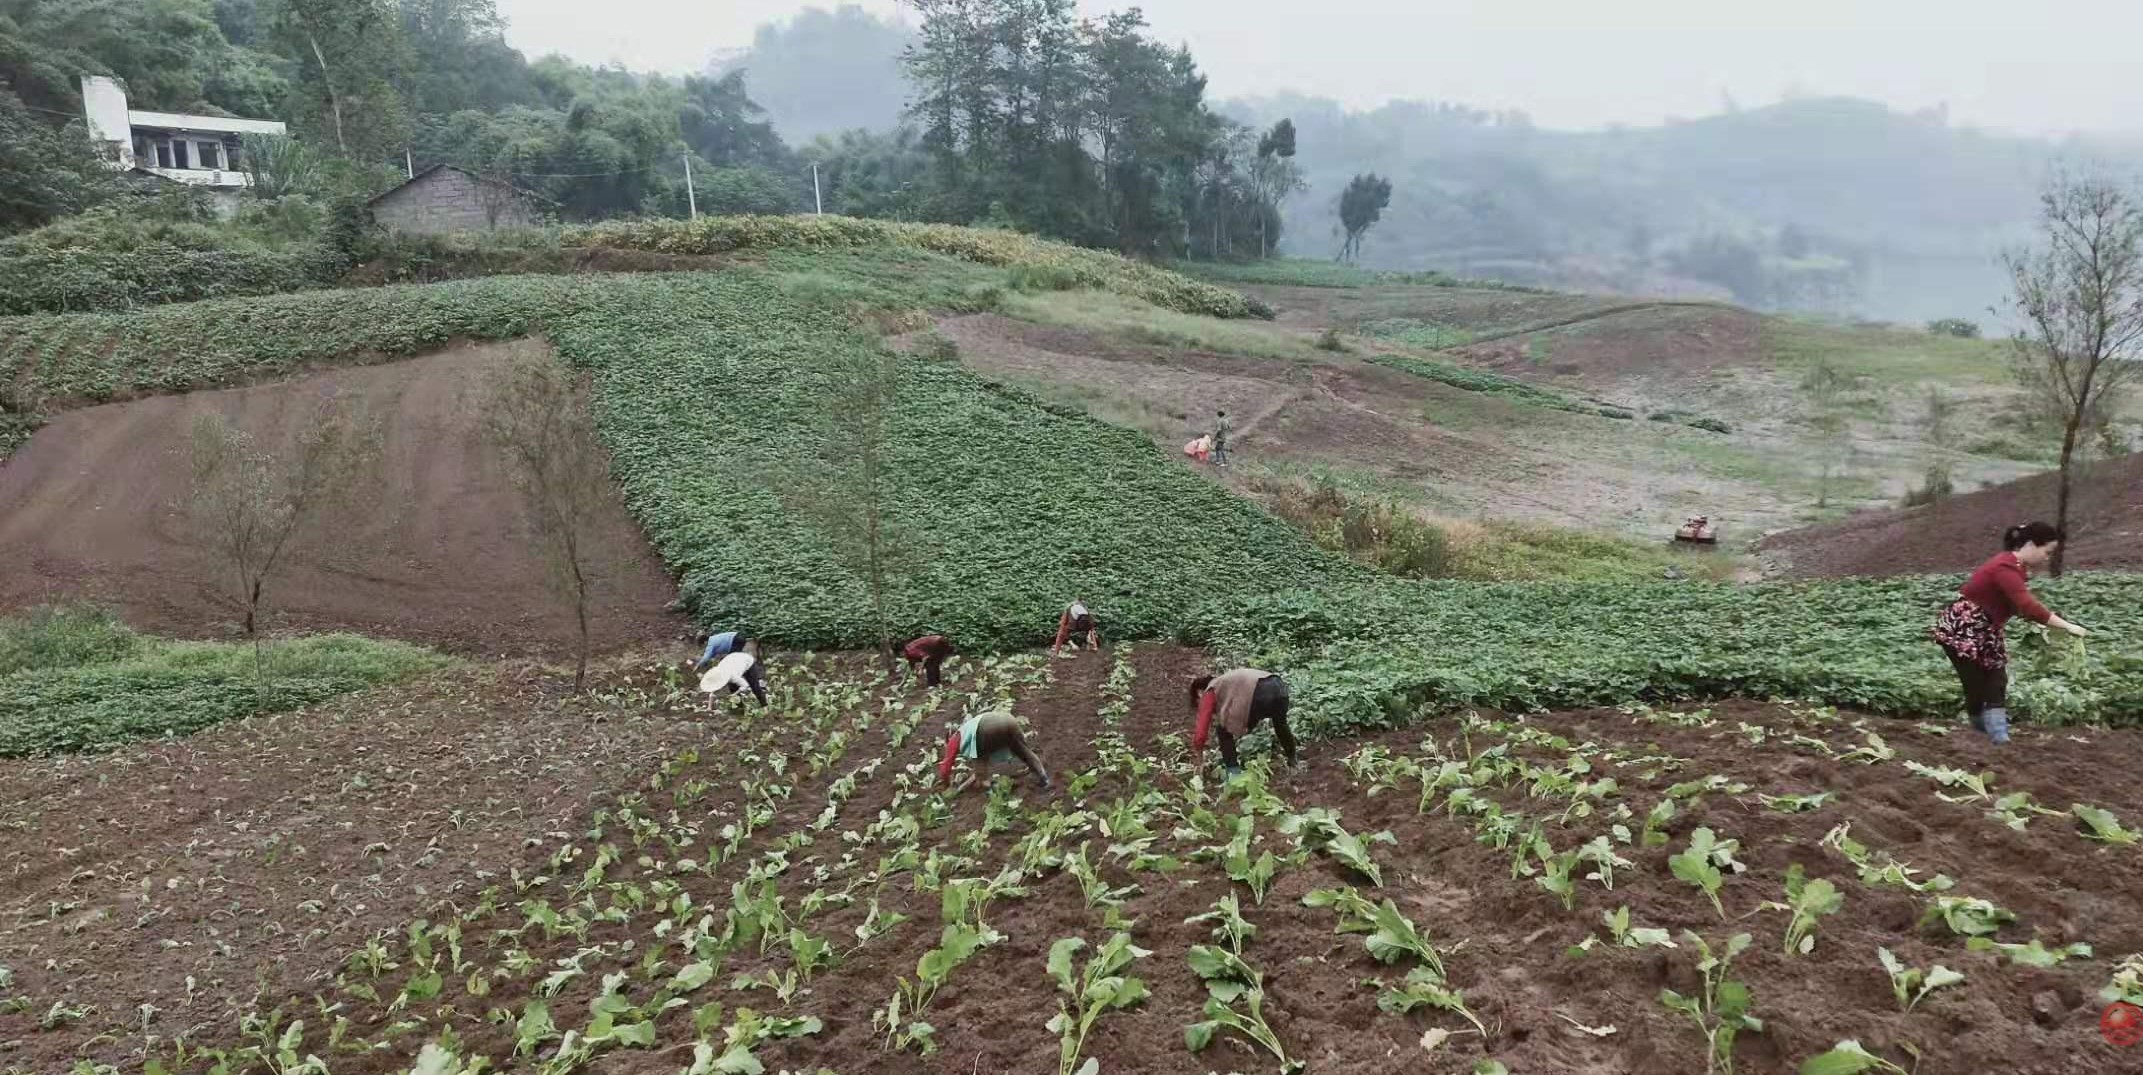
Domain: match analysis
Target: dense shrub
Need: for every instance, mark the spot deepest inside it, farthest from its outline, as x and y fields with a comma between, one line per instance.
x=1383, y=536
x=1083, y=268
x=56, y=280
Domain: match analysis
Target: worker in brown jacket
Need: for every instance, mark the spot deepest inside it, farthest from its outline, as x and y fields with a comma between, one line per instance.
x=1239, y=701
x=926, y=655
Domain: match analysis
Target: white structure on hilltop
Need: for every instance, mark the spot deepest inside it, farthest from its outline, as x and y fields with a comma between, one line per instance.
x=196, y=150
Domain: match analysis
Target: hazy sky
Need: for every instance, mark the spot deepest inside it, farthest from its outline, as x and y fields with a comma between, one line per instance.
x=2045, y=66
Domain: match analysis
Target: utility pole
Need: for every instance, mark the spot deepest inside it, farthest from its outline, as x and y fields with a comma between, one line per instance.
x=691, y=196
x=818, y=203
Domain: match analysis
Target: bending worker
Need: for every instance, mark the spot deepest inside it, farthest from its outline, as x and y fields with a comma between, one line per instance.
x=929, y=653
x=735, y=673
x=985, y=738
x=722, y=645
x=1970, y=629
x=1239, y=701
x=1076, y=620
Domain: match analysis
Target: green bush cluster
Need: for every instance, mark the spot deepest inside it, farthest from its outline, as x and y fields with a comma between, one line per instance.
x=74, y=678
x=1065, y=266
x=1378, y=535
x=56, y=280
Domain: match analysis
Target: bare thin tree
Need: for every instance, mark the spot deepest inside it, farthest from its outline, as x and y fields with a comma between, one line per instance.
x=537, y=417
x=2079, y=298
x=252, y=506
x=849, y=492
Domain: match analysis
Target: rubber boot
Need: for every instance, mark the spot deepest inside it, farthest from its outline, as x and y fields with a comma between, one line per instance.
x=1979, y=721
x=1997, y=725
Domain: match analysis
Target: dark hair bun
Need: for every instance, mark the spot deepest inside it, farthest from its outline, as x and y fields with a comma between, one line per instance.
x=2032, y=533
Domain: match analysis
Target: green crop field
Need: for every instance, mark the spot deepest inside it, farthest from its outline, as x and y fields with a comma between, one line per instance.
x=710, y=391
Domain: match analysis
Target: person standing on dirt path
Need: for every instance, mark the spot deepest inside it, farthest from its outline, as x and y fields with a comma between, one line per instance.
x=736, y=673
x=722, y=645
x=1076, y=620
x=1239, y=701
x=986, y=738
x=1221, y=426
x=1970, y=629
x=927, y=653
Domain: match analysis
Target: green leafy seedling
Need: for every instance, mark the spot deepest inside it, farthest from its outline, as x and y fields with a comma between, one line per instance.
x=1098, y=987
x=1806, y=900
x=1721, y=1010
x=1848, y=1058
x=2033, y=954
x=2101, y=825
x=1910, y=985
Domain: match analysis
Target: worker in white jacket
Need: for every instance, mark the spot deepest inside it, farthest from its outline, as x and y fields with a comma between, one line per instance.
x=733, y=674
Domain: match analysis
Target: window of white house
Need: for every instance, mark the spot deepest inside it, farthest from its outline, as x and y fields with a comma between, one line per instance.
x=211, y=154
x=141, y=148
x=178, y=154
x=163, y=154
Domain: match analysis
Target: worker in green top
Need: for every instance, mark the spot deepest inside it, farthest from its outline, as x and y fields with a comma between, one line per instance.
x=984, y=738
x=1221, y=425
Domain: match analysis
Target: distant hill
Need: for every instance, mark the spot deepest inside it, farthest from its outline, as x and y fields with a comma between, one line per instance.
x=824, y=72
x=1829, y=204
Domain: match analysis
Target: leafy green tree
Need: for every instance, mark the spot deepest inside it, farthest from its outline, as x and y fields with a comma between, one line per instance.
x=349, y=54
x=46, y=171
x=1360, y=206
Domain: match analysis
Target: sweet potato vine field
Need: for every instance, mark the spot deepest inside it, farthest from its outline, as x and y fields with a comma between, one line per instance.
x=1748, y=888
x=712, y=392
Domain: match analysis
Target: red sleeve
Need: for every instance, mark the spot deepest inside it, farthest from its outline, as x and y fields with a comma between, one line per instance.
x=952, y=751
x=913, y=651
x=1063, y=628
x=2011, y=581
x=1205, y=721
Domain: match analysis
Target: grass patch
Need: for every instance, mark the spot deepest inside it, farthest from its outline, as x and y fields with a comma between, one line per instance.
x=1108, y=315
x=1889, y=357
x=75, y=679
x=1305, y=272
x=1388, y=536
x=1504, y=551
x=1494, y=384
x=1427, y=335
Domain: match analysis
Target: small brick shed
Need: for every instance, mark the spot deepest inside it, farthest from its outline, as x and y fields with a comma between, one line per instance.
x=443, y=198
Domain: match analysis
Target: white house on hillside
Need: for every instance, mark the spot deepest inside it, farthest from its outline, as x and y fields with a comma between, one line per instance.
x=197, y=150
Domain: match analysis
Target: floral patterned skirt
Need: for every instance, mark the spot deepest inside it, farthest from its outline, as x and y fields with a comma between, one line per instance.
x=1964, y=630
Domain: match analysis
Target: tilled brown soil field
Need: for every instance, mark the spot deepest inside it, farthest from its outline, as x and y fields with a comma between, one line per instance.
x=1958, y=533
x=435, y=550
x=784, y=842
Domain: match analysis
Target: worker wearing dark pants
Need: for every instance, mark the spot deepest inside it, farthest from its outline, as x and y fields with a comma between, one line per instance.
x=1237, y=702
x=990, y=737
x=926, y=654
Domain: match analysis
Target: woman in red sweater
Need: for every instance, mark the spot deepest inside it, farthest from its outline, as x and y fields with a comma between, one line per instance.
x=1970, y=629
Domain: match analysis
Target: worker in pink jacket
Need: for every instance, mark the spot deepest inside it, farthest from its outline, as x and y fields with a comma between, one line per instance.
x=1239, y=701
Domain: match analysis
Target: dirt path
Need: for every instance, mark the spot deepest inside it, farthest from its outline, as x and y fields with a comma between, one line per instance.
x=437, y=551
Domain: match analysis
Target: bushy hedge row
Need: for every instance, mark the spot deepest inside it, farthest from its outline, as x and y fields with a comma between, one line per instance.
x=53, y=359
x=1076, y=266
x=58, y=280
x=1375, y=654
